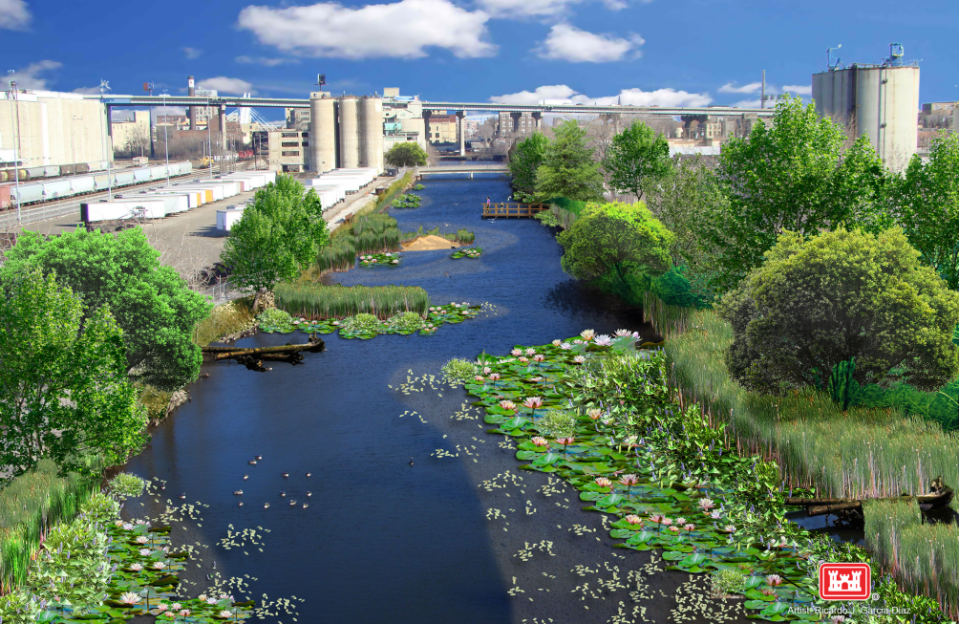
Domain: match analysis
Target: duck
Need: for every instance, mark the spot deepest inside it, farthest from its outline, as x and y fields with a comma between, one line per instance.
x=309, y=474
x=305, y=505
x=411, y=461
x=245, y=477
x=241, y=504
x=259, y=457
x=252, y=462
x=238, y=492
x=309, y=494
x=285, y=475
x=182, y=496
x=292, y=503
x=283, y=494
x=266, y=505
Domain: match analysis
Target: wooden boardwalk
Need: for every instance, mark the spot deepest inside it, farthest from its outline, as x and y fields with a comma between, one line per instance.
x=512, y=210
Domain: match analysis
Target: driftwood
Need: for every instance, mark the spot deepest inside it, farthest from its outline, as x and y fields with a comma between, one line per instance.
x=940, y=495
x=253, y=358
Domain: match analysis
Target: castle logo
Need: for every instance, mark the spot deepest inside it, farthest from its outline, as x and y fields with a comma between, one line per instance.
x=845, y=581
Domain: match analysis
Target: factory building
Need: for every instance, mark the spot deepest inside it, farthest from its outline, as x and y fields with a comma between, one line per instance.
x=347, y=133
x=403, y=117
x=284, y=150
x=444, y=129
x=54, y=129
x=132, y=137
x=877, y=101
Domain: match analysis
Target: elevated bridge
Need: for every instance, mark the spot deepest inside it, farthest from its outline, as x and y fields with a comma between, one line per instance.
x=462, y=169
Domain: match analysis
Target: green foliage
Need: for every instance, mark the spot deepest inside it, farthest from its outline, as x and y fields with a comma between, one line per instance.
x=339, y=255
x=729, y=581
x=568, y=169
x=361, y=323
x=225, y=319
x=380, y=259
x=101, y=509
x=407, y=154
x=459, y=371
x=842, y=295
x=465, y=237
x=384, y=200
x=272, y=318
x=794, y=176
x=469, y=252
x=126, y=485
x=316, y=301
x=927, y=201
x=525, y=159
x=556, y=423
x=73, y=567
x=843, y=388
x=150, y=302
x=618, y=240
x=57, y=378
x=418, y=187
x=547, y=218
x=637, y=160
x=406, y=322
x=20, y=607
x=278, y=236
x=407, y=201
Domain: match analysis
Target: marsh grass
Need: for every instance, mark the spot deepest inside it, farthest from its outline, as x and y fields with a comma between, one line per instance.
x=318, y=302
x=30, y=505
x=156, y=401
x=225, y=319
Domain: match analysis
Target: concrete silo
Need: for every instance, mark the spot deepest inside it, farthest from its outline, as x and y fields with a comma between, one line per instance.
x=322, y=132
x=349, y=133
x=371, y=133
x=877, y=101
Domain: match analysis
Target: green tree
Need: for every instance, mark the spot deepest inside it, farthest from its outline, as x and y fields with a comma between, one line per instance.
x=568, y=169
x=616, y=242
x=279, y=235
x=64, y=391
x=927, y=206
x=408, y=154
x=637, y=158
x=818, y=302
x=150, y=302
x=794, y=176
x=524, y=161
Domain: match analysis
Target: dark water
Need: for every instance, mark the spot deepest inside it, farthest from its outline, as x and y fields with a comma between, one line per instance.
x=380, y=542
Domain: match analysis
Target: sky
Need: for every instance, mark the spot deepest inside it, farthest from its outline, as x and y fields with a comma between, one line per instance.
x=640, y=52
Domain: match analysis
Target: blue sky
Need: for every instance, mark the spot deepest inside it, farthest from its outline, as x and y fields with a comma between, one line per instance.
x=667, y=52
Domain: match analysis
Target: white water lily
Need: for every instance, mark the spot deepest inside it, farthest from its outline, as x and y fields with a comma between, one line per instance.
x=565, y=346
x=587, y=334
x=145, y=552
x=130, y=598
x=603, y=340
x=127, y=527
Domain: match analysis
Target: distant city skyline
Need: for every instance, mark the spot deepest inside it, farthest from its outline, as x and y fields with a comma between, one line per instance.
x=641, y=52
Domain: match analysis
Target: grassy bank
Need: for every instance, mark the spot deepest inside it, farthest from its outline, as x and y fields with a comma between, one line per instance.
x=865, y=452
x=317, y=302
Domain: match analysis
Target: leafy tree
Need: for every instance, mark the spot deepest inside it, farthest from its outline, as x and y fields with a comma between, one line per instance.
x=64, y=391
x=794, y=176
x=150, y=302
x=615, y=242
x=637, y=158
x=279, y=235
x=568, y=169
x=818, y=302
x=408, y=154
x=927, y=201
x=525, y=160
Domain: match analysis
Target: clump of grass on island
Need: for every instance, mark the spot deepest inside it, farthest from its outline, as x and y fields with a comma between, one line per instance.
x=318, y=302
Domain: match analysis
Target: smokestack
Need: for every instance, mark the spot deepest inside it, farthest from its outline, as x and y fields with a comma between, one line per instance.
x=192, y=92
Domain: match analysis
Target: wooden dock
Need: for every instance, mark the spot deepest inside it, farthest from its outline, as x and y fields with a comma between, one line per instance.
x=512, y=210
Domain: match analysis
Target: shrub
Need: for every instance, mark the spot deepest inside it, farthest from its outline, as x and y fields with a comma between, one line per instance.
x=20, y=607
x=223, y=320
x=407, y=322
x=728, y=581
x=73, y=568
x=339, y=255
x=547, y=218
x=361, y=323
x=273, y=317
x=557, y=423
x=126, y=485
x=465, y=237
x=459, y=371
x=101, y=508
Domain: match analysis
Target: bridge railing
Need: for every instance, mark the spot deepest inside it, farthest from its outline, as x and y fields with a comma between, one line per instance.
x=512, y=210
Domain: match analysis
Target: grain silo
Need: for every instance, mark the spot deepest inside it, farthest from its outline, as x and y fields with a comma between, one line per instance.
x=322, y=132
x=349, y=133
x=371, y=133
x=877, y=101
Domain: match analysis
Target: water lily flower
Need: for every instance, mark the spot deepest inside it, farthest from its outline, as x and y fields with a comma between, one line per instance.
x=634, y=519
x=533, y=403
x=487, y=370
x=565, y=442
x=594, y=413
x=603, y=482
x=143, y=539
x=176, y=606
x=494, y=376
x=706, y=504
x=516, y=352
x=774, y=580
x=158, y=565
x=127, y=527
x=145, y=552
x=129, y=598
x=730, y=529
x=578, y=341
x=666, y=521
x=478, y=378
x=540, y=441
x=507, y=405
x=184, y=612
x=211, y=601
x=169, y=614
x=680, y=520
x=767, y=592
x=690, y=527
x=539, y=358
x=531, y=352
x=621, y=332
x=716, y=515
x=557, y=342
x=658, y=519
x=836, y=619
x=603, y=340
x=629, y=480
x=587, y=334
x=225, y=614
x=395, y=262
x=136, y=567
x=522, y=360
x=118, y=523
x=536, y=379
x=674, y=529
x=162, y=607
x=202, y=598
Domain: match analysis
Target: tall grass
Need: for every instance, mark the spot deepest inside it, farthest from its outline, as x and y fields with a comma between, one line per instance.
x=465, y=237
x=317, y=302
x=30, y=505
x=383, y=201
x=225, y=319
x=339, y=255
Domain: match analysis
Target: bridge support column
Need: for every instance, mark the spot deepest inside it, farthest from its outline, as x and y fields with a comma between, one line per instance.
x=537, y=120
x=461, y=131
x=222, y=121
x=471, y=175
x=515, y=117
x=426, y=126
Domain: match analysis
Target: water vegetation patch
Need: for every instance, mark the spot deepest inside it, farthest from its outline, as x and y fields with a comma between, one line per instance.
x=470, y=252
x=365, y=325
x=379, y=259
x=407, y=200
x=319, y=302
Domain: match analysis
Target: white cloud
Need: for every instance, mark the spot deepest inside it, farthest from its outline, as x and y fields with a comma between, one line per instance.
x=222, y=84
x=750, y=88
x=268, y=62
x=747, y=104
x=88, y=90
x=535, y=8
x=628, y=97
x=169, y=110
x=798, y=89
x=568, y=43
x=401, y=29
x=14, y=14
x=192, y=53
x=29, y=77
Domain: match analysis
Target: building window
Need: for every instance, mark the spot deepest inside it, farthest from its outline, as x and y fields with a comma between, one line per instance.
x=306, y=143
x=289, y=144
x=305, y=134
x=290, y=154
x=289, y=135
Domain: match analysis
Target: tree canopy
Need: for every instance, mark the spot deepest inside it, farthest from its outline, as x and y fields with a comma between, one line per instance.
x=818, y=302
x=279, y=235
x=568, y=169
x=794, y=176
x=64, y=390
x=524, y=161
x=927, y=207
x=408, y=154
x=150, y=302
x=637, y=158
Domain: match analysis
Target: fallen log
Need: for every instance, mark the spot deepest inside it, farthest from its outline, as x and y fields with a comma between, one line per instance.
x=253, y=358
x=940, y=495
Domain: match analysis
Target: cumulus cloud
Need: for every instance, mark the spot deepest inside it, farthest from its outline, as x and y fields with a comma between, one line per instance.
x=750, y=88
x=30, y=77
x=628, y=97
x=747, y=104
x=192, y=53
x=538, y=8
x=268, y=62
x=798, y=89
x=14, y=14
x=568, y=43
x=401, y=29
x=222, y=84
x=88, y=90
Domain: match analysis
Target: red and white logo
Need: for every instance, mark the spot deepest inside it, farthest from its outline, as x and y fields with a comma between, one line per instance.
x=845, y=581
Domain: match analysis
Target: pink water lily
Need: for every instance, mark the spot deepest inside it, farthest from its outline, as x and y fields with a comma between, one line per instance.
x=690, y=527
x=185, y=613
x=666, y=521
x=516, y=352
x=621, y=332
x=674, y=529
x=494, y=376
x=539, y=358
x=603, y=482
x=162, y=606
x=225, y=614
x=680, y=520
x=145, y=552
x=587, y=334
x=629, y=480
x=540, y=441
x=531, y=351
x=130, y=598
x=487, y=370
x=478, y=378
x=603, y=340
x=565, y=442
x=594, y=413
x=579, y=359
x=533, y=403
x=507, y=405
x=565, y=346
x=706, y=504
x=557, y=342
x=634, y=519
x=136, y=567
x=658, y=519
x=158, y=565
x=774, y=580
x=522, y=360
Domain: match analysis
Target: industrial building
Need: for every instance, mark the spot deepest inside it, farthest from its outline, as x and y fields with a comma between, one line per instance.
x=877, y=101
x=443, y=129
x=132, y=136
x=403, y=119
x=283, y=150
x=345, y=133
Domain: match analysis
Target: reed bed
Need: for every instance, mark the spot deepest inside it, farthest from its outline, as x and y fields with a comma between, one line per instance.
x=383, y=201
x=30, y=505
x=465, y=237
x=225, y=319
x=339, y=255
x=317, y=302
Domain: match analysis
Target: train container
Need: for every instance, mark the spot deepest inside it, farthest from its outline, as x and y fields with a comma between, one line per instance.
x=68, y=169
x=51, y=171
x=185, y=167
x=123, y=178
x=5, y=201
x=141, y=175
x=97, y=166
x=125, y=208
x=173, y=203
x=55, y=189
x=34, y=172
x=226, y=218
x=29, y=193
x=82, y=184
x=158, y=173
x=83, y=167
x=192, y=199
x=210, y=193
x=100, y=181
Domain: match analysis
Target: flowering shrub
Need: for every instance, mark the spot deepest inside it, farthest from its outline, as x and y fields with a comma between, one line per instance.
x=126, y=485
x=272, y=319
x=73, y=568
x=100, y=508
x=19, y=607
x=457, y=370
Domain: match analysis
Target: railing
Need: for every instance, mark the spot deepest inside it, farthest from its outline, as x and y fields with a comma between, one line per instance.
x=512, y=210
x=464, y=168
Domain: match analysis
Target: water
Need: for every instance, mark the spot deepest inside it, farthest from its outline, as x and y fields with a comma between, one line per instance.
x=381, y=542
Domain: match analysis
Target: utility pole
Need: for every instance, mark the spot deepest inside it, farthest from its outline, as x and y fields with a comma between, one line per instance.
x=106, y=112
x=762, y=97
x=166, y=141
x=17, y=151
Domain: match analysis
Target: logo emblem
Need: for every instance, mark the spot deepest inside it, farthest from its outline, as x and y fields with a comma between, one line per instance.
x=845, y=581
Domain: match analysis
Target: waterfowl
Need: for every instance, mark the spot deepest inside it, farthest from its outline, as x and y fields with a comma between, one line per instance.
x=241, y=504
x=245, y=477
x=305, y=505
x=238, y=492
x=411, y=461
x=309, y=494
x=283, y=494
x=252, y=462
x=182, y=496
x=292, y=503
x=285, y=474
x=259, y=457
x=309, y=474
x=266, y=505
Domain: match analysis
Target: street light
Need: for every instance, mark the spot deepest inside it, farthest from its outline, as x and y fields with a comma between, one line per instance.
x=16, y=149
x=166, y=143
x=106, y=85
